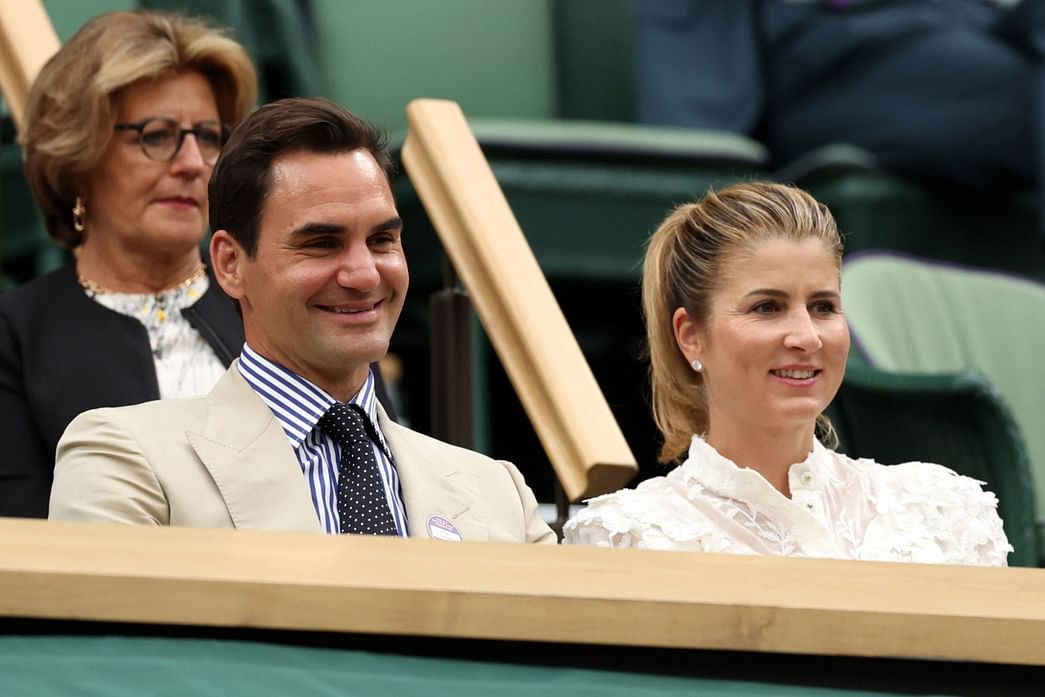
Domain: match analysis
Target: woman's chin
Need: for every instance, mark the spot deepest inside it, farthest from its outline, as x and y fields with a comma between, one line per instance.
x=173, y=240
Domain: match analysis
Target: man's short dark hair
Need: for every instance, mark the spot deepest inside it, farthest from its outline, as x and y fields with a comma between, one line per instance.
x=240, y=182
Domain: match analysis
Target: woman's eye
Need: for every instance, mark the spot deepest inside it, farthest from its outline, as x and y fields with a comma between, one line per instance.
x=825, y=307
x=209, y=137
x=156, y=138
x=765, y=307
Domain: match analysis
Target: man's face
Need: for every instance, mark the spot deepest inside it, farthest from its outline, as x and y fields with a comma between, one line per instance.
x=325, y=289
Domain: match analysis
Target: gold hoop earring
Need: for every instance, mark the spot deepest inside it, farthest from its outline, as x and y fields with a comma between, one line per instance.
x=79, y=213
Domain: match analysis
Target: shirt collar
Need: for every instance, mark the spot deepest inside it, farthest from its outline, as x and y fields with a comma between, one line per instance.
x=722, y=476
x=297, y=403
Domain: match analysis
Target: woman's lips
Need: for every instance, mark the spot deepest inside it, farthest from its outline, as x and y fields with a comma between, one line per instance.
x=180, y=201
x=795, y=373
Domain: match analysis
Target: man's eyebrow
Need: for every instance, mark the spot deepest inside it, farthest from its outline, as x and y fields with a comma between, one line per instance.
x=309, y=229
x=394, y=223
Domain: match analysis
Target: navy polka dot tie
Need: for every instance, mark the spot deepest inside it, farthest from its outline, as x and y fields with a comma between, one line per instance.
x=361, y=503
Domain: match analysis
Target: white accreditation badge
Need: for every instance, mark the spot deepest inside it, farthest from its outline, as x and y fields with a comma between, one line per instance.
x=439, y=528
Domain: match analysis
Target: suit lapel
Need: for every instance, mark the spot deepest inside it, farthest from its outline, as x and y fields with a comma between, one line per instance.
x=248, y=456
x=433, y=486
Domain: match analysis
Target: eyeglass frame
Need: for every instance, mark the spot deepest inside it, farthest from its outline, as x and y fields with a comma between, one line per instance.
x=195, y=130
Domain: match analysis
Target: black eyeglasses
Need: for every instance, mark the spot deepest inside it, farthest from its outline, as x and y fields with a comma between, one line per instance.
x=161, y=139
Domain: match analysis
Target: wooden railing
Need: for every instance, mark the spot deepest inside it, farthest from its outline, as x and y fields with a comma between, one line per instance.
x=517, y=309
x=27, y=40
x=425, y=588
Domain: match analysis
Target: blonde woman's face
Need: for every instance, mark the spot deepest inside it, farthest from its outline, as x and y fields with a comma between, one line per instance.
x=148, y=206
x=775, y=347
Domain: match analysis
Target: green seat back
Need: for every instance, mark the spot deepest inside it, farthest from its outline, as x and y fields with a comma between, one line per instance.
x=955, y=419
x=68, y=16
x=493, y=57
x=912, y=316
x=594, y=59
x=878, y=210
x=587, y=194
x=276, y=34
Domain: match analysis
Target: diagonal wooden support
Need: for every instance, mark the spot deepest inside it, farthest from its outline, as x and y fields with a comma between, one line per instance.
x=27, y=40
x=515, y=304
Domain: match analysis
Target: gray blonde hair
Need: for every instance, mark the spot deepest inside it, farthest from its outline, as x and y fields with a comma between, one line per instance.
x=70, y=109
x=685, y=258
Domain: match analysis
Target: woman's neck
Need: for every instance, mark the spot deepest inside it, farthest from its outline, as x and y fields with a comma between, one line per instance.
x=768, y=451
x=128, y=272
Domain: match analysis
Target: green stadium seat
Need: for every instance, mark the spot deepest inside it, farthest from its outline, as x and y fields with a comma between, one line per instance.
x=286, y=58
x=912, y=316
x=878, y=210
x=68, y=16
x=955, y=419
x=594, y=59
x=493, y=57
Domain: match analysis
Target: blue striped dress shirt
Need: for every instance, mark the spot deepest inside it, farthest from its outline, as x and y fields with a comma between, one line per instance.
x=298, y=405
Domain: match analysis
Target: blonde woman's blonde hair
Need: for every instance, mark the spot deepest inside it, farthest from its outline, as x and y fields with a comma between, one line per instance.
x=683, y=267
x=70, y=110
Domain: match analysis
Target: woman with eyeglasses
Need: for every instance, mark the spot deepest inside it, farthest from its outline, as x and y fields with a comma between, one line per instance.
x=124, y=125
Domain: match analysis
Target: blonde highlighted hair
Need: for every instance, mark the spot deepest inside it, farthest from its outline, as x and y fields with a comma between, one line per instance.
x=685, y=258
x=70, y=111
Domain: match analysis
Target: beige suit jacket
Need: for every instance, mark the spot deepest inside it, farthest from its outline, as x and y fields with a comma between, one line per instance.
x=223, y=461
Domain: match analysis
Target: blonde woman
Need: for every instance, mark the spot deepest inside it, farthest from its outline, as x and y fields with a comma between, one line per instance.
x=748, y=346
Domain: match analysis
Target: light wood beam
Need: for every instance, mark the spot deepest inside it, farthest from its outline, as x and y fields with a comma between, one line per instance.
x=27, y=41
x=360, y=584
x=521, y=316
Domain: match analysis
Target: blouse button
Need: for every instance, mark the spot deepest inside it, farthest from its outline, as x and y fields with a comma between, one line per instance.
x=807, y=477
x=809, y=506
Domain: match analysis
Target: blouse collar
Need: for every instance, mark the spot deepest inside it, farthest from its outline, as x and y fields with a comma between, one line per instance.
x=718, y=473
x=708, y=469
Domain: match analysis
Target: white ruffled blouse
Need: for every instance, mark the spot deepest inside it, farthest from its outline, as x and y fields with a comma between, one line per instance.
x=839, y=507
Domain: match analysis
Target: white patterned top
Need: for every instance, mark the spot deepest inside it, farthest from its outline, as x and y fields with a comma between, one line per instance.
x=839, y=508
x=186, y=365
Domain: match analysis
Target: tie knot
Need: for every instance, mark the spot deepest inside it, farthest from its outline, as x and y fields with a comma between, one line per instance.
x=346, y=423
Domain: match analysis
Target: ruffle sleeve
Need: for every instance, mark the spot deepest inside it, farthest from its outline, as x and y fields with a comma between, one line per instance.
x=654, y=516
x=930, y=514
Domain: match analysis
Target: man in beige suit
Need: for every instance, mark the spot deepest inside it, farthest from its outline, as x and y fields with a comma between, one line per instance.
x=308, y=242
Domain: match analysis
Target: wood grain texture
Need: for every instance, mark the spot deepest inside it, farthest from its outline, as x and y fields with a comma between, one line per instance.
x=27, y=41
x=294, y=581
x=521, y=316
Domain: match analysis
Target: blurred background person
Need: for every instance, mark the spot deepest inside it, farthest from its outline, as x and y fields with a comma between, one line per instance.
x=123, y=127
x=748, y=345
x=949, y=91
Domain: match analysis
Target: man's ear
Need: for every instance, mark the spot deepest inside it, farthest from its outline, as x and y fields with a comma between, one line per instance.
x=688, y=335
x=227, y=258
